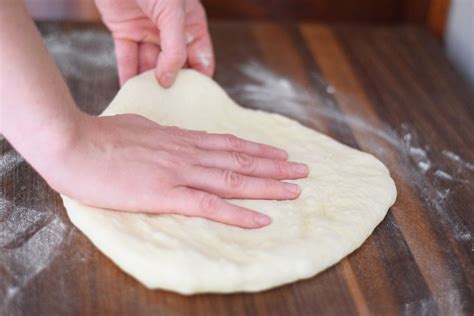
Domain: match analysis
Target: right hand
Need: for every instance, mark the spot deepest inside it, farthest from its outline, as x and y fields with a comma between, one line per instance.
x=160, y=34
x=127, y=162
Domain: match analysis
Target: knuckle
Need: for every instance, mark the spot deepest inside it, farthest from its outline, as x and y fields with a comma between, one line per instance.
x=165, y=9
x=234, y=142
x=175, y=131
x=173, y=162
x=191, y=154
x=208, y=203
x=182, y=148
x=177, y=57
x=280, y=169
x=244, y=161
x=198, y=136
x=274, y=186
x=233, y=180
x=178, y=146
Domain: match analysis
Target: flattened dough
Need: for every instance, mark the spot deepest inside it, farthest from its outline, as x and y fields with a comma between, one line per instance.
x=345, y=197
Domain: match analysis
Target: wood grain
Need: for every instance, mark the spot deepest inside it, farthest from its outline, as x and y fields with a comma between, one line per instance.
x=429, y=13
x=437, y=17
x=386, y=90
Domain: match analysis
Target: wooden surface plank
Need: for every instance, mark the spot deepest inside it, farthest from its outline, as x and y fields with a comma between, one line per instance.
x=429, y=13
x=386, y=90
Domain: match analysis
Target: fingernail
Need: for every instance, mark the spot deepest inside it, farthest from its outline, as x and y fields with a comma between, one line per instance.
x=167, y=79
x=301, y=169
x=292, y=188
x=263, y=219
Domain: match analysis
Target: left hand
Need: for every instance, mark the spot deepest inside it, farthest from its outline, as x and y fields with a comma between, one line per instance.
x=161, y=34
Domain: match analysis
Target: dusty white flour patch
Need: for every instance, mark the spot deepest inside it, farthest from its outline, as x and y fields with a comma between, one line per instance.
x=271, y=92
x=76, y=52
x=29, y=240
x=189, y=38
x=204, y=58
x=330, y=90
x=423, y=306
x=435, y=180
x=265, y=88
x=11, y=292
x=458, y=160
x=424, y=166
x=443, y=174
x=9, y=161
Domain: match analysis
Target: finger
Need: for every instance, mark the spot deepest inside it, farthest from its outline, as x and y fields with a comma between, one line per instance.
x=200, y=51
x=230, y=142
x=197, y=203
x=252, y=166
x=201, y=55
x=148, y=55
x=229, y=184
x=126, y=53
x=173, y=45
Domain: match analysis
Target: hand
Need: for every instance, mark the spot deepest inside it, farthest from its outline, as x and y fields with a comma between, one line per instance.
x=161, y=34
x=127, y=162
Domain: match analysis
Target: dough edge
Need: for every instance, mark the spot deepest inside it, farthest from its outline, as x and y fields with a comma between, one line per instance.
x=254, y=280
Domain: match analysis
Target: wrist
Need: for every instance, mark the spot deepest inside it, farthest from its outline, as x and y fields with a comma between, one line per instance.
x=48, y=145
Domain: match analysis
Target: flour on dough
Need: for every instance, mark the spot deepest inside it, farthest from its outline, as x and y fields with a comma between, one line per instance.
x=344, y=198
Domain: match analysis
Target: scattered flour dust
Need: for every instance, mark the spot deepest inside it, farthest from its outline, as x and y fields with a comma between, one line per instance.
x=455, y=158
x=204, y=58
x=273, y=92
x=9, y=161
x=29, y=239
x=270, y=91
x=435, y=179
x=77, y=51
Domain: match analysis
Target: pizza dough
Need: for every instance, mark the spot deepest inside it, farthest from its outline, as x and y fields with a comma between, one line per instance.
x=345, y=197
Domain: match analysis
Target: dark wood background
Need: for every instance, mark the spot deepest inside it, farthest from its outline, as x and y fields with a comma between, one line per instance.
x=386, y=90
x=428, y=13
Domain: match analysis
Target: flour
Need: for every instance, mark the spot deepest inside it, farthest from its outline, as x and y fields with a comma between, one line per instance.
x=204, y=58
x=271, y=92
x=458, y=160
x=30, y=238
x=424, y=166
x=330, y=90
x=443, y=174
x=188, y=38
x=9, y=162
x=76, y=52
x=436, y=180
x=29, y=241
x=423, y=306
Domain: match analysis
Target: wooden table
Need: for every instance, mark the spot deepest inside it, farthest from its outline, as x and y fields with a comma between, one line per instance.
x=386, y=90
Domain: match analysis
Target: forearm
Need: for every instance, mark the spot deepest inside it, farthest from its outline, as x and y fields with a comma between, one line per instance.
x=36, y=109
